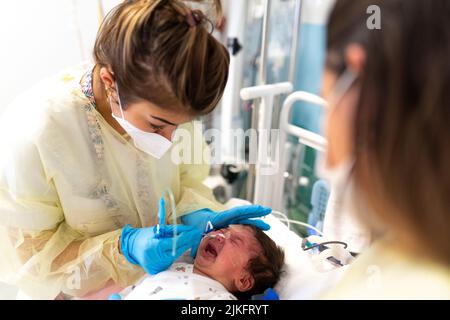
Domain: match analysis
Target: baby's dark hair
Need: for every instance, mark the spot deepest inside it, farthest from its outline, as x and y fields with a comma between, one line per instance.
x=266, y=267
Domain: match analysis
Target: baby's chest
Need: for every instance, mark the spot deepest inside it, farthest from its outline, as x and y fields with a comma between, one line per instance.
x=174, y=286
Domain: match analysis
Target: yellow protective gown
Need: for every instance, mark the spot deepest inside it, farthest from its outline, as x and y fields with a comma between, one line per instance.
x=69, y=183
x=383, y=272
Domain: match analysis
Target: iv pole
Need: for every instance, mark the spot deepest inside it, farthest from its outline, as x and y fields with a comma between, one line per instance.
x=256, y=112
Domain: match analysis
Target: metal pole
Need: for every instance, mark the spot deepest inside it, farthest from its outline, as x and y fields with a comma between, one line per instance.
x=252, y=167
x=261, y=81
x=295, y=40
x=264, y=44
x=292, y=71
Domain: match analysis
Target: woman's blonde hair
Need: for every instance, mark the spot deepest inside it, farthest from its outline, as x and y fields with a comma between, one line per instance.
x=163, y=52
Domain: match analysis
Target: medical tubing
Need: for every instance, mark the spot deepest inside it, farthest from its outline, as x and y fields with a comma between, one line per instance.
x=285, y=218
x=326, y=242
x=289, y=221
x=171, y=197
x=161, y=219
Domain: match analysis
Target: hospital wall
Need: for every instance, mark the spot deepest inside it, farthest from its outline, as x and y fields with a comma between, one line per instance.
x=40, y=38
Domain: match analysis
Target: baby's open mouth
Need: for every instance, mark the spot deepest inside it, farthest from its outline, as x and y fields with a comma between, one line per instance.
x=210, y=250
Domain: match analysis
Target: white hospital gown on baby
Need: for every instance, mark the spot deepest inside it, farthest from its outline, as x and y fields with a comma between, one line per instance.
x=178, y=283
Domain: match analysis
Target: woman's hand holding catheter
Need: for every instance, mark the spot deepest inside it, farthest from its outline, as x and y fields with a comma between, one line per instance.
x=152, y=248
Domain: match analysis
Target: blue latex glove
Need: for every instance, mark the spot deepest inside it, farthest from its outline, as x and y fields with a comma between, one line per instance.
x=142, y=247
x=219, y=220
x=115, y=296
x=269, y=294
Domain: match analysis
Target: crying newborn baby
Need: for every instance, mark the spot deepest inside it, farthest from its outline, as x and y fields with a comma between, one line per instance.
x=232, y=263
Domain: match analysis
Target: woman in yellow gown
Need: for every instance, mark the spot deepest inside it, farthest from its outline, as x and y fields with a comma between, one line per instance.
x=71, y=176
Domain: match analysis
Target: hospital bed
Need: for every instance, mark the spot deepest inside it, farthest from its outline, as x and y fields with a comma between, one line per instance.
x=306, y=275
x=269, y=190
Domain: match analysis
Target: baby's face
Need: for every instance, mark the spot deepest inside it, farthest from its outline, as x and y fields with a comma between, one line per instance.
x=226, y=256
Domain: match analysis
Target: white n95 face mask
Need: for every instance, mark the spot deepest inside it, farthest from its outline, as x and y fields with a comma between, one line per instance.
x=341, y=173
x=344, y=207
x=149, y=142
